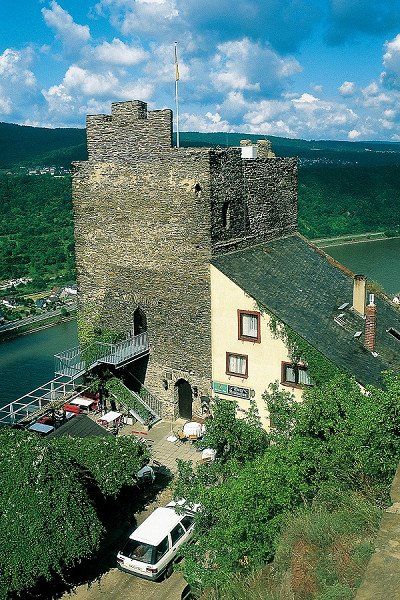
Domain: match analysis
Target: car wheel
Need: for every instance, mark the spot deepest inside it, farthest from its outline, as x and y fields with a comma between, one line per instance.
x=168, y=571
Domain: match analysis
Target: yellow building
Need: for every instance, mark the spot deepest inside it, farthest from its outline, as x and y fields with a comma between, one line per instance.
x=289, y=281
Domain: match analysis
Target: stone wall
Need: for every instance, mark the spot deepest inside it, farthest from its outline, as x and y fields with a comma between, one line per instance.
x=382, y=577
x=142, y=239
x=271, y=185
x=128, y=131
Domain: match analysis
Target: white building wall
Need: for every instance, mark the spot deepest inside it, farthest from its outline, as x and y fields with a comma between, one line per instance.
x=264, y=358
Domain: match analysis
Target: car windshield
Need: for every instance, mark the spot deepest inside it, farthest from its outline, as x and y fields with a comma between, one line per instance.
x=138, y=551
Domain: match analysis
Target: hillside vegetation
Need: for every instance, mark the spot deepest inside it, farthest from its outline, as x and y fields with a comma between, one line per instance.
x=36, y=227
x=343, y=188
x=21, y=145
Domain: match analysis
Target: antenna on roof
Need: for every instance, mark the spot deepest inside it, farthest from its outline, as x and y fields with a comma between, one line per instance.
x=176, y=92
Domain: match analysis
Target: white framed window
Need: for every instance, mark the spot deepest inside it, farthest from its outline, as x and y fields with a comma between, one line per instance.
x=295, y=375
x=237, y=364
x=249, y=326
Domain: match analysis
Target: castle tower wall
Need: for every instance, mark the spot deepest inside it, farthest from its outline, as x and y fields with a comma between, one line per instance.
x=271, y=195
x=142, y=240
x=148, y=218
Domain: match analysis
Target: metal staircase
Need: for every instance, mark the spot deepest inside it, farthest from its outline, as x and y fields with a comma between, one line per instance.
x=70, y=365
x=145, y=407
x=77, y=361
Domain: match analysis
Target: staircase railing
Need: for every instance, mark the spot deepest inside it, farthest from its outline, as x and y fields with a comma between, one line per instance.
x=133, y=402
x=76, y=361
x=150, y=400
x=33, y=402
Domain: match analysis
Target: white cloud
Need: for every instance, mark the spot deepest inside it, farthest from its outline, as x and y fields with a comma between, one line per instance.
x=208, y=123
x=353, y=134
x=347, y=88
x=309, y=103
x=161, y=68
x=71, y=34
x=90, y=84
x=13, y=67
x=265, y=111
x=246, y=65
x=6, y=106
x=141, y=16
x=391, y=58
x=374, y=96
x=119, y=53
x=83, y=91
x=139, y=90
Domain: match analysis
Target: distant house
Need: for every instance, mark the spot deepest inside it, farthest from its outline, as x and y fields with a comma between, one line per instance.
x=69, y=290
x=41, y=302
x=9, y=302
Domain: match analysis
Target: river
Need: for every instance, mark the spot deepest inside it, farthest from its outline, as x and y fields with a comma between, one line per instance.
x=379, y=260
x=26, y=362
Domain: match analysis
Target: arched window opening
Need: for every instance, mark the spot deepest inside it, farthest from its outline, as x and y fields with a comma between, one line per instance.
x=226, y=215
x=139, y=321
x=197, y=189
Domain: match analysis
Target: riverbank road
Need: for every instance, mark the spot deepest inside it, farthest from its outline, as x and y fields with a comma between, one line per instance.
x=14, y=325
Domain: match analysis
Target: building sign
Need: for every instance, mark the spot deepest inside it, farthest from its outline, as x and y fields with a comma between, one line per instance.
x=231, y=390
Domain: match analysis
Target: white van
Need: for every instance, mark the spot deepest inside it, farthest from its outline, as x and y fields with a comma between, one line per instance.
x=151, y=548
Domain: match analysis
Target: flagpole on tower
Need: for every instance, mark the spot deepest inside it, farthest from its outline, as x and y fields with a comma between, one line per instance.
x=176, y=93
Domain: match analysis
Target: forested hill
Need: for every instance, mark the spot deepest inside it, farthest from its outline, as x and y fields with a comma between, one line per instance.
x=31, y=146
x=344, y=188
x=322, y=153
x=22, y=145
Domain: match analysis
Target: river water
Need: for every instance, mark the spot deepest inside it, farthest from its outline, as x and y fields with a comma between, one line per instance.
x=379, y=260
x=27, y=361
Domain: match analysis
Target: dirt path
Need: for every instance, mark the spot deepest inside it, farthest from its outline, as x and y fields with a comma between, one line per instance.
x=116, y=585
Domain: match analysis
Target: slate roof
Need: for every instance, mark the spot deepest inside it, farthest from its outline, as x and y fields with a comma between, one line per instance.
x=80, y=426
x=304, y=288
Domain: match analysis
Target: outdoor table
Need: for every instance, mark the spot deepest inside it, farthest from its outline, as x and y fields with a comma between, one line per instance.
x=112, y=417
x=208, y=455
x=193, y=430
x=41, y=428
x=83, y=402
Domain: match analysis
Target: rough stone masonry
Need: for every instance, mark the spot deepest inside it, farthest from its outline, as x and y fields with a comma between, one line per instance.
x=148, y=218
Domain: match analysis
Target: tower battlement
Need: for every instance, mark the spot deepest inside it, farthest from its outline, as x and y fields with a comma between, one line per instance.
x=129, y=131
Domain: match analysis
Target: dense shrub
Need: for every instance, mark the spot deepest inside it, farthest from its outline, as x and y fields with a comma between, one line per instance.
x=48, y=516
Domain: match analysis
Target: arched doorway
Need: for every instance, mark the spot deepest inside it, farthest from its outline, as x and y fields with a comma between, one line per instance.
x=185, y=398
x=139, y=321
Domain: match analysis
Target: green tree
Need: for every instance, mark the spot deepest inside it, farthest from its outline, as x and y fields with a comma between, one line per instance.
x=232, y=438
x=48, y=501
x=47, y=520
x=339, y=437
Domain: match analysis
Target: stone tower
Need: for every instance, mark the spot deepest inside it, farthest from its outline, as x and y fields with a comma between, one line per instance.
x=148, y=218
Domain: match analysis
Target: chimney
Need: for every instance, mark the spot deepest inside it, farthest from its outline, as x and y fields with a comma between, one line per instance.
x=370, y=324
x=359, y=288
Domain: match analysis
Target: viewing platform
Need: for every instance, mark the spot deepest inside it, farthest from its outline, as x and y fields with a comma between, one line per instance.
x=77, y=361
x=70, y=365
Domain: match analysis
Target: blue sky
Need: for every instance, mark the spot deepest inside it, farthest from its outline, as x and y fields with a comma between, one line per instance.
x=317, y=69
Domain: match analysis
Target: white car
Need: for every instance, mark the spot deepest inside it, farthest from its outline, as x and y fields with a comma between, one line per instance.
x=152, y=548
